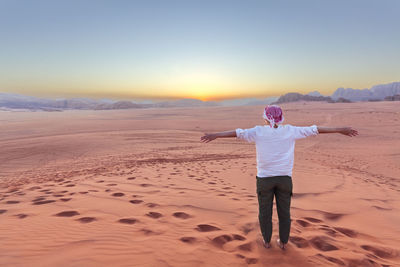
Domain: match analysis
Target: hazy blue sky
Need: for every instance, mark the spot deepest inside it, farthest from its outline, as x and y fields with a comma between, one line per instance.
x=201, y=49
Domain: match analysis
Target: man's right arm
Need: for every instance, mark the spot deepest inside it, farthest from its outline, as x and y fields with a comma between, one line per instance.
x=209, y=137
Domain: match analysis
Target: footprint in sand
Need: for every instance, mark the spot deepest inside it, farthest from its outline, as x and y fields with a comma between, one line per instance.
x=380, y=251
x=238, y=237
x=246, y=247
x=12, y=202
x=314, y=220
x=329, y=231
x=111, y=184
x=85, y=192
x=101, y=181
x=21, y=216
x=154, y=215
x=128, y=221
x=136, y=201
x=299, y=241
x=345, y=231
x=223, y=239
x=44, y=190
x=39, y=199
x=2, y=211
x=65, y=199
x=34, y=188
x=323, y=243
x=181, y=215
x=206, y=228
x=332, y=259
x=251, y=260
x=332, y=216
x=68, y=213
x=152, y=205
x=188, y=239
x=58, y=195
x=69, y=185
x=303, y=223
x=148, y=232
x=131, y=178
x=87, y=219
x=118, y=194
x=41, y=202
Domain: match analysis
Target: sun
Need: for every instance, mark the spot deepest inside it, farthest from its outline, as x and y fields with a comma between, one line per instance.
x=202, y=85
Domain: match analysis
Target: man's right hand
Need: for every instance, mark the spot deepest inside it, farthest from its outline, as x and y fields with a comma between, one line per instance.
x=348, y=131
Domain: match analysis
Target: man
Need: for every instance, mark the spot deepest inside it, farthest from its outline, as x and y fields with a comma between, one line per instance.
x=275, y=154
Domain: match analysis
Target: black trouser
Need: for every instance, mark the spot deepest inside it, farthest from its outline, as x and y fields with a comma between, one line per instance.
x=281, y=187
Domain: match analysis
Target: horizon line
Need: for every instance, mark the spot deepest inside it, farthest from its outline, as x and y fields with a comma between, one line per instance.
x=125, y=97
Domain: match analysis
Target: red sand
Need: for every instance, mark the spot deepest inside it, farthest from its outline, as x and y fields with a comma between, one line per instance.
x=137, y=188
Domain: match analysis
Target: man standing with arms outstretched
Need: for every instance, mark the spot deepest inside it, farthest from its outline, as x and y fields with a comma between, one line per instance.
x=275, y=155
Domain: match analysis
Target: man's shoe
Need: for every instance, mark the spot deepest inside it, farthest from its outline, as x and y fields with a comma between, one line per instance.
x=266, y=245
x=280, y=244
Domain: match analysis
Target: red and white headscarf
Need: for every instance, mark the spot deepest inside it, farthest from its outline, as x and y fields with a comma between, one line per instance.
x=273, y=114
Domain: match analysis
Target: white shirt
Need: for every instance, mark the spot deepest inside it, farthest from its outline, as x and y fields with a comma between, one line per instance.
x=275, y=146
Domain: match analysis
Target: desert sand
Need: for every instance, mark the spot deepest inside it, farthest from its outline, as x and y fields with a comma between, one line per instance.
x=138, y=188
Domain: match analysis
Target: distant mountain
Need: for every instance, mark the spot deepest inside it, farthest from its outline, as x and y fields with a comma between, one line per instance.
x=392, y=98
x=342, y=100
x=17, y=101
x=377, y=92
x=314, y=93
x=76, y=103
x=293, y=97
x=121, y=105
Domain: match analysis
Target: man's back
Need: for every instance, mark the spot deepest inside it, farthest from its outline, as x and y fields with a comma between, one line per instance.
x=275, y=146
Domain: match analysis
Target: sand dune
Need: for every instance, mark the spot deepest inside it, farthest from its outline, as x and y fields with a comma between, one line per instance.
x=137, y=188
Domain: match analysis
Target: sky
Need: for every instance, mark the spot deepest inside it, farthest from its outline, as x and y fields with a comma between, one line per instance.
x=208, y=50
